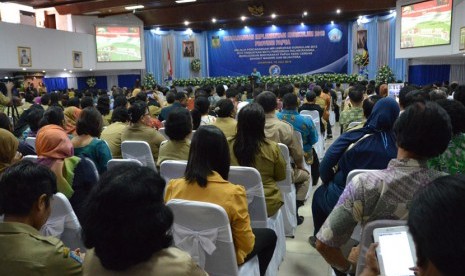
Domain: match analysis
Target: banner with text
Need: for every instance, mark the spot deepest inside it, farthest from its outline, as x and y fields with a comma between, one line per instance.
x=301, y=49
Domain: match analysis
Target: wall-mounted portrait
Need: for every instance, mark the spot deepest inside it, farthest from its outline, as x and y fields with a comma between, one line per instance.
x=24, y=57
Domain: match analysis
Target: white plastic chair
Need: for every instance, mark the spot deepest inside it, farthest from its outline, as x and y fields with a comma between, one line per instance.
x=31, y=141
x=117, y=162
x=171, y=169
x=320, y=145
x=139, y=150
x=94, y=168
x=162, y=132
x=353, y=124
x=63, y=223
x=307, y=167
x=289, y=195
x=240, y=105
x=32, y=158
x=202, y=229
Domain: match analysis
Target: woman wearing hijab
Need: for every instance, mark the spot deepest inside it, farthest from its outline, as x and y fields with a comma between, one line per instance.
x=71, y=116
x=371, y=147
x=8, y=147
x=75, y=176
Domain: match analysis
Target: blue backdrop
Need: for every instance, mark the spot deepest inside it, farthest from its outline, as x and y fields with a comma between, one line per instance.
x=286, y=50
x=101, y=82
x=428, y=74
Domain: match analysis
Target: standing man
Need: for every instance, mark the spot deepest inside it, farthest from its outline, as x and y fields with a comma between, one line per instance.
x=257, y=76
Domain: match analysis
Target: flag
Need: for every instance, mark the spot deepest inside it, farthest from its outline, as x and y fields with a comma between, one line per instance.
x=169, y=68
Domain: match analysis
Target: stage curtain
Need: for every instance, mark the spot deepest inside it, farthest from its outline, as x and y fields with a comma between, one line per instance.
x=153, y=54
x=457, y=73
x=128, y=80
x=428, y=74
x=397, y=65
x=54, y=84
x=352, y=45
x=101, y=82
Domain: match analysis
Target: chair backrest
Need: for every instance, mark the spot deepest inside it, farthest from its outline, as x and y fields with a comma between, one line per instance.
x=171, y=169
x=117, y=162
x=63, y=223
x=313, y=113
x=139, y=150
x=285, y=185
x=203, y=230
x=31, y=141
x=367, y=238
x=240, y=106
x=32, y=158
x=353, y=173
x=162, y=132
x=250, y=178
x=352, y=124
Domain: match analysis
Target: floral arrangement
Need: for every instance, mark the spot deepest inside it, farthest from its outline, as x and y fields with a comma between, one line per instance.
x=149, y=81
x=91, y=82
x=333, y=78
x=362, y=59
x=195, y=65
x=385, y=75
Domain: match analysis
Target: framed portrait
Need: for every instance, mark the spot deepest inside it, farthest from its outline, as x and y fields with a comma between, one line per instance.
x=462, y=39
x=24, y=57
x=77, y=59
x=188, y=50
x=362, y=36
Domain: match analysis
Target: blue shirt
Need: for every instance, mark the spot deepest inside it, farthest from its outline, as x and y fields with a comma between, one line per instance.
x=98, y=152
x=303, y=125
x=166, y=111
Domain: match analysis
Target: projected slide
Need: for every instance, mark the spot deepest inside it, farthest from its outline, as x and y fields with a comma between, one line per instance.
x=426, y=24
x=118, y=43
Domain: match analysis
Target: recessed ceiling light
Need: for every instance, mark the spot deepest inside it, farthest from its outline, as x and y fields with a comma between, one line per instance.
x=64, y=69
x=245, y=27
x=338, y=11
x=213, y=20
x=184, y=1
x=332, y=22
x=24, y=69
x=305, y=13
x=360, y=17
x=273, y=15
x=43, y=71
x=71, y=71
x=90, y=69
x=6, y=77
x=273, y=26
x=302, y=24
x=186, y=23
x=157, y=29
x=134, y=7
x=221, y=29
x=243, y=18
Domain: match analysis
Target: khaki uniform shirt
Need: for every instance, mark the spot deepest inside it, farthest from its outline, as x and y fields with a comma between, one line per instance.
x=23, y=251
x=174, y=150
x=112, y=135
x=140, y=132
x=166, y=262
x=227, y=125
x=270, y=163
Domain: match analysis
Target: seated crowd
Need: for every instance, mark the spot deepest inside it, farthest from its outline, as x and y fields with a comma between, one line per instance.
x=414, y=150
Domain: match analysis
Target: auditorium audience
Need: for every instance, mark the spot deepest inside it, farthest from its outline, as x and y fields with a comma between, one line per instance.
x=45, y=101
x=103, y=106
x=205, y=179
x=127, y=227
x=26, y=207
x=323, y=104
x=371, y=147
x=87, y=143
x=225, y=121
x=459, y=94
x=423, y=131
x=8, y=149
x=178, y=127
x=53, y=116
x=180, y=101
x=87, y=101
x=138, y=129
x=72, y=114
x=310, y=105
x=354, y=113
x=250, y=148
x=112, y=134
x=200, y=112
x=367, y=107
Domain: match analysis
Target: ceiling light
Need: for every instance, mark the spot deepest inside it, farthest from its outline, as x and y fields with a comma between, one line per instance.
x=64, y=69
x=24, y=69
x=273, y=15
x=157, y=29
x=391, y=11
x=332, y=22
x=245, y=27
x=213, y=20
x=302, y=24
x=273, y=26
x=243, y=18
x=134, y=7
x=338, y=11
x=305, y=13
x=184, y=1
x=186, y=23
x=360, y=17
x=71, y=71
x=221, y=29
x=43, y=71
x=6, y=77
x=90, y=69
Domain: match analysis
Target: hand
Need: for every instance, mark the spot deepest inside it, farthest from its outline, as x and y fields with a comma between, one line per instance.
x=9, y=85
x=354, y=253
x=371, y=262
x=18, y=157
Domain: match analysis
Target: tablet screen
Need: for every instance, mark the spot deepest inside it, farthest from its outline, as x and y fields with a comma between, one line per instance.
x=396, y=253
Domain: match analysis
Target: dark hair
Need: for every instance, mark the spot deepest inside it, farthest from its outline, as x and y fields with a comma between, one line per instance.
x=33, y=118
x=437, y=94
x=54, y=99
x=267, y=100
x=209, y=152
x=103, y=105
x=178, y=124
x=231, y=92
x=220, y=90
x=120, y=114
x=87, y=102
x=414, y=96
x=90, y=122
x=126, y=210
x=179, y=96
x=250, y=134
x=52, y=116
x=141, y=96
x=22, y=184
x=45, y=99
x=310, y=96
x=120, y=101
x=459, y=94
x=423, y=129
x=436, y=224
x=224, y=108
x=29, y=97
x=74, y=102
x=369, y=103
x=290, y=101
x=5, y=121
x=202, y=104
x=403, y=93
x=64, y=100
x=196, y=118
x=356, y=93
x=317, y=90
x=170, y=97
x=456, y=111
x=137, y=111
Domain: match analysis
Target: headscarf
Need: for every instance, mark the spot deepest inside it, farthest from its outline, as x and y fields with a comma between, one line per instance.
x=72, y=114
x=8, y=147
x=382, y=119
x=52, y=147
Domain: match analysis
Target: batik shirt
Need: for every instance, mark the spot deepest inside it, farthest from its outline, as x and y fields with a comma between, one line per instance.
x=303, y=125
x=453, y=159
x=383, y=194
x=354, y=114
